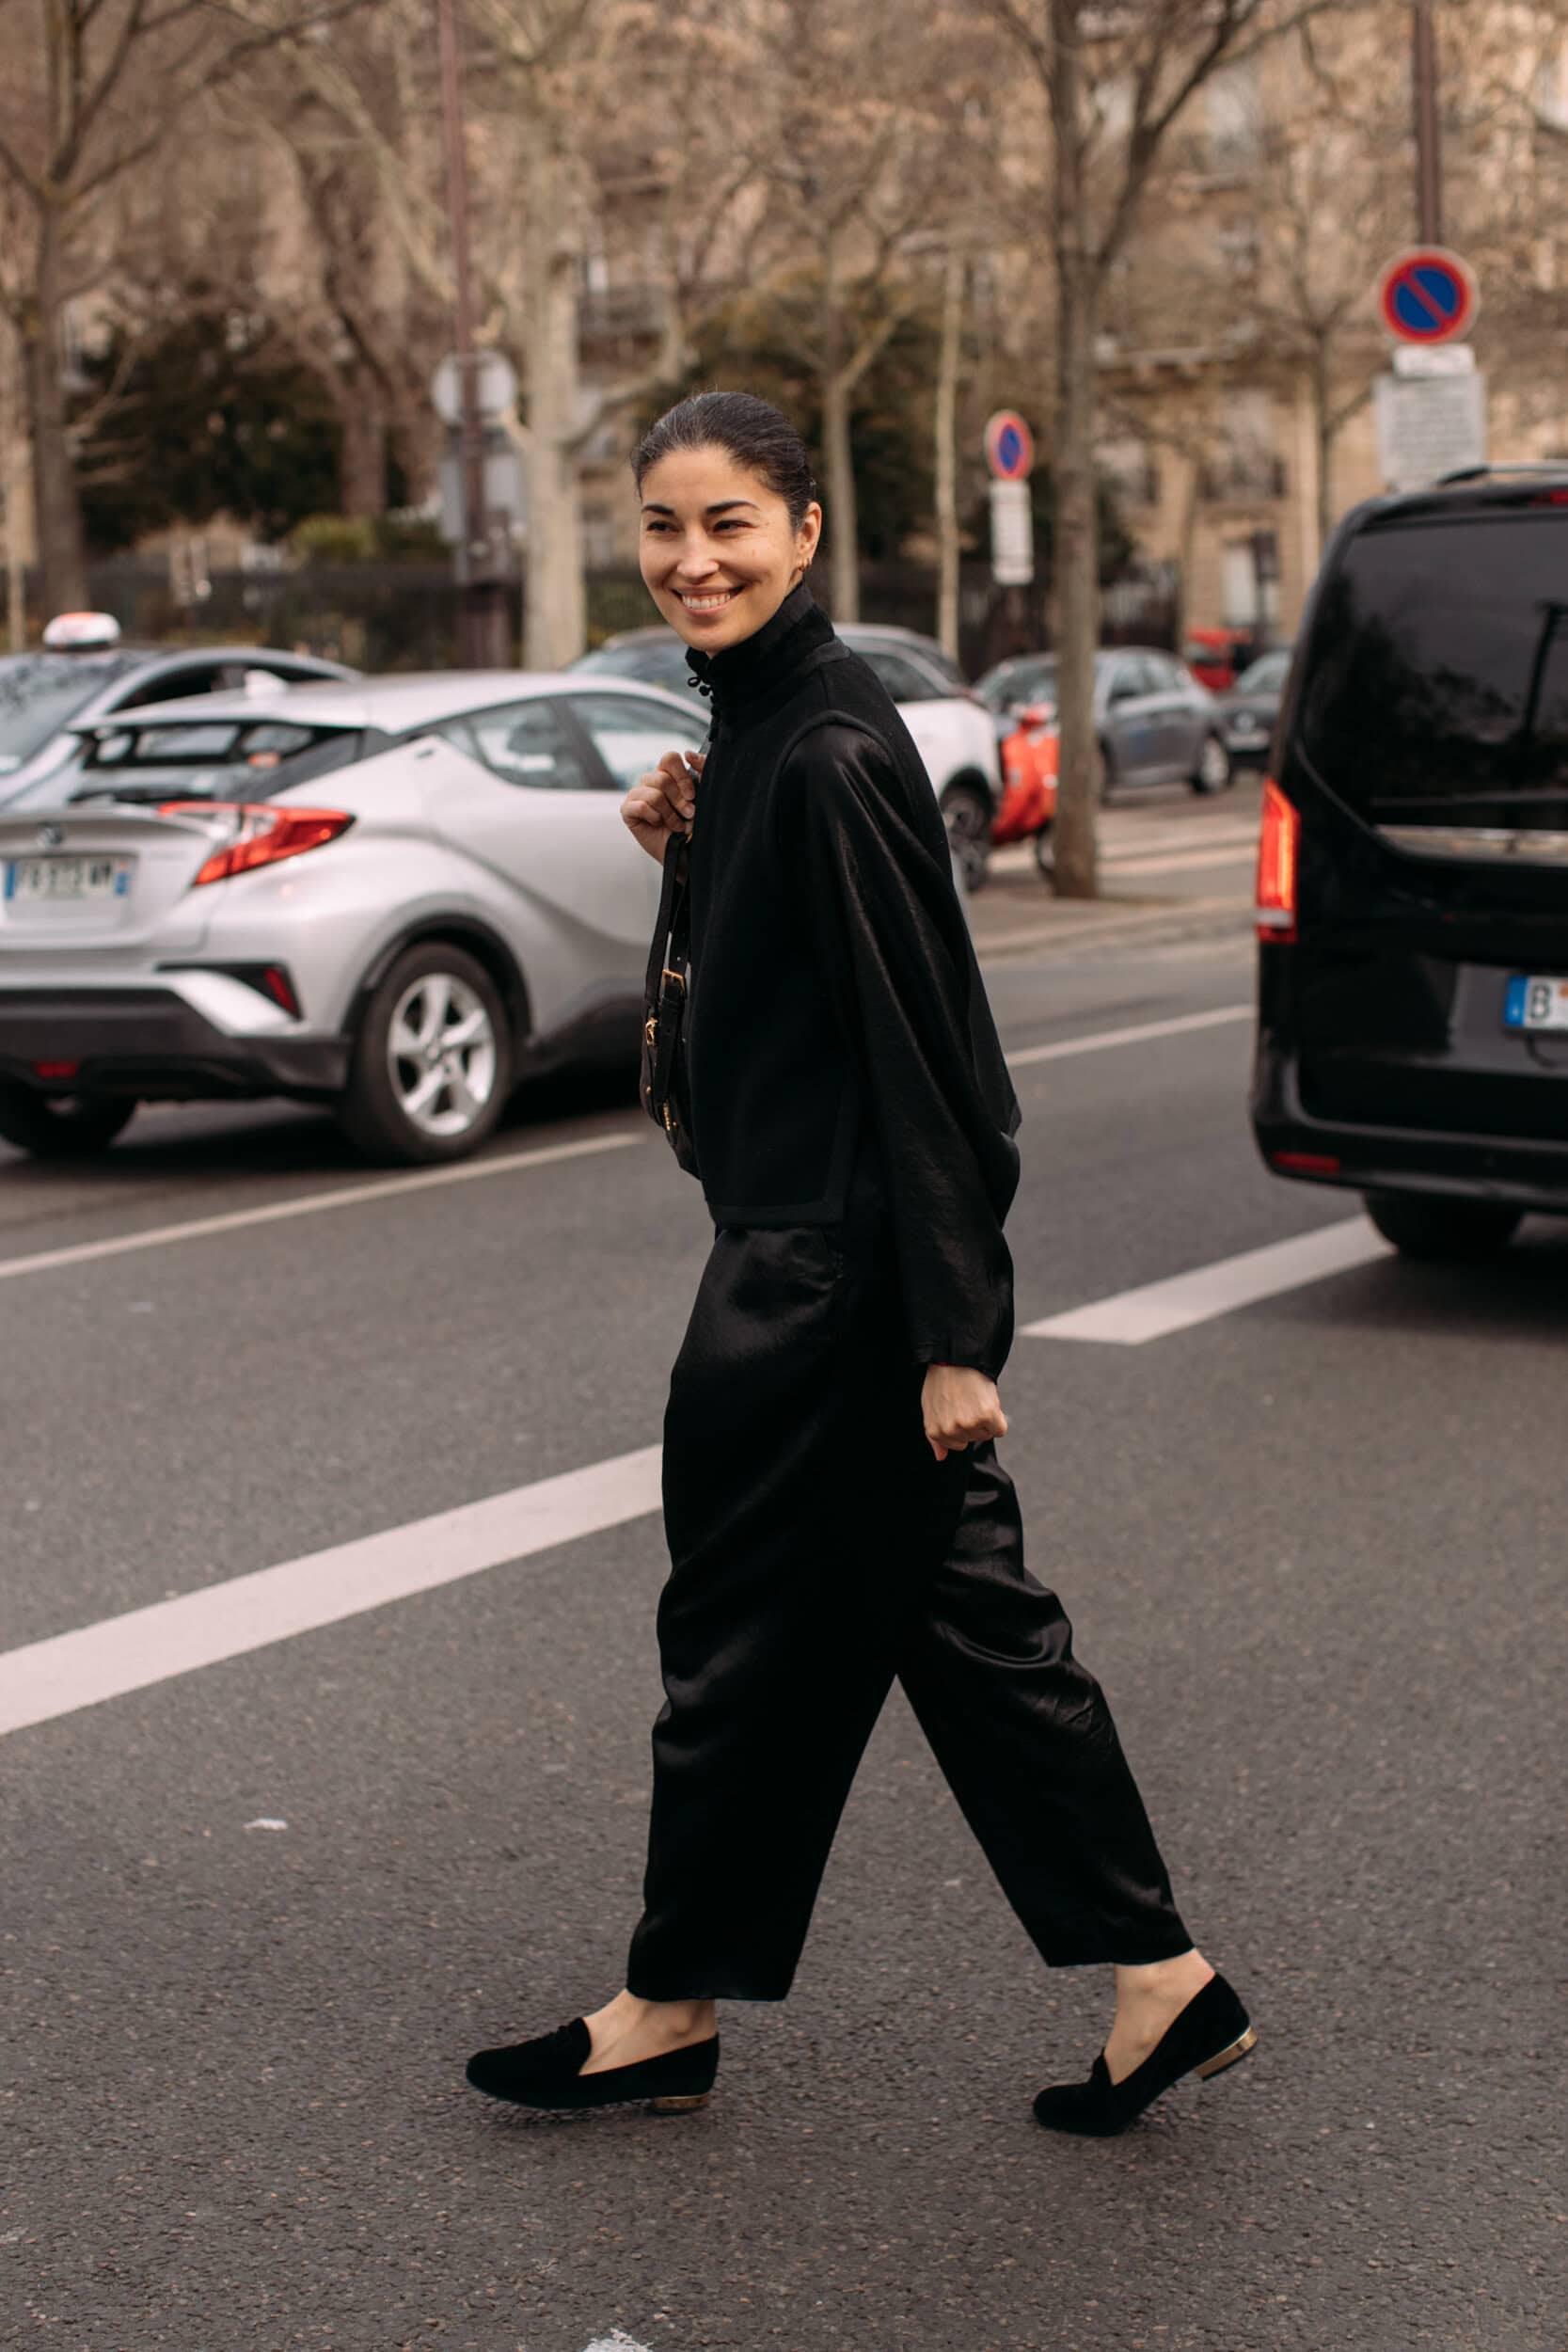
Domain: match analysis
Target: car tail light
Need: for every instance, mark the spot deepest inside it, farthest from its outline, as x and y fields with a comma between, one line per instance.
x=1277, y=847
x=1306, y=1162
x=267, y=830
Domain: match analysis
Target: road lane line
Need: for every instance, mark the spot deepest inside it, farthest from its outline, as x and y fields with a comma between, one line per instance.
x=309, y=1204
x=1152, y=1312
x=1105, y=1039
x=387, y=1188
x=69, y=1671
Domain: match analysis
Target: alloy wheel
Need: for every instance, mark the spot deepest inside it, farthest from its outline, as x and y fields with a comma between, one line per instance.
x=441, y=1054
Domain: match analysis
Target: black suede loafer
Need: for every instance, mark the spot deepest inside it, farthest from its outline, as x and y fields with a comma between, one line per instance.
x=548, y=2072
x=1210, y=2033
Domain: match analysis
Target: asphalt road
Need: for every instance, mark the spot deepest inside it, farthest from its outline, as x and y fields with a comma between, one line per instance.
x=1311, y=1546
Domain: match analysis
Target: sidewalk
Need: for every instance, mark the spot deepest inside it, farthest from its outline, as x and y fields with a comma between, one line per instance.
x=1206, y=870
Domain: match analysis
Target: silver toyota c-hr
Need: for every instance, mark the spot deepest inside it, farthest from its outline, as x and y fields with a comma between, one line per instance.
x=395, y=897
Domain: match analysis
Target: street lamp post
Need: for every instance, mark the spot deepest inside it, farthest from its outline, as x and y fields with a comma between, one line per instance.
x=484, y=625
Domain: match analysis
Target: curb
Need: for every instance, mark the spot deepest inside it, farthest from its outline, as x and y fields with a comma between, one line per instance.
x=1099, y=923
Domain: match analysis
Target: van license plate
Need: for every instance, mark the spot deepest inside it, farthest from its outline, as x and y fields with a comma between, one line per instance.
x=1532, y=1002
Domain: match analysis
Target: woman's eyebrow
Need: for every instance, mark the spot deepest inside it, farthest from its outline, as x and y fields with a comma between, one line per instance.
x=720, y=506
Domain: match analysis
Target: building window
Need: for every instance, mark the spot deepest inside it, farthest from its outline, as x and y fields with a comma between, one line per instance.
x=1235, y=118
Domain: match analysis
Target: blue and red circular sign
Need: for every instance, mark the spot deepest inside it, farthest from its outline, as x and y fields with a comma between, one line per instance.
x=1426, y=296
x=1009, y=446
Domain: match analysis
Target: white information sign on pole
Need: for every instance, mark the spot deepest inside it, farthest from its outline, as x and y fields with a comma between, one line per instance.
x=1012, y=534
x=1429, y=425
x=495, y=386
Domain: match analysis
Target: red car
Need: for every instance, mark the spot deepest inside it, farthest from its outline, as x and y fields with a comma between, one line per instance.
x=1215, y=656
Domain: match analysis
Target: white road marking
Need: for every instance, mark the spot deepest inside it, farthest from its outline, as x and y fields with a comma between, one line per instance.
x=124, y=1653
x=1156, y=1309
x=1098, y=1043
x=309, y=1204
x=616, y=2342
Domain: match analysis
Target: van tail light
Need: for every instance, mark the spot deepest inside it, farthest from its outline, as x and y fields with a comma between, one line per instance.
x=266, y=831
x=1277, y=847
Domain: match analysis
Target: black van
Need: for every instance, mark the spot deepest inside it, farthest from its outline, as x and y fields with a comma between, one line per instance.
x=1413, y=870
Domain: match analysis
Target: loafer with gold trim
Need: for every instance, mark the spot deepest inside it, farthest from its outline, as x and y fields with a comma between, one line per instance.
x=1210, y=2033
x=548, y=2072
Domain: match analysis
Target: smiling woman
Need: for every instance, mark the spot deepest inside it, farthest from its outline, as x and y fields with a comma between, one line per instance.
x=717, y=560
x=835, y=1510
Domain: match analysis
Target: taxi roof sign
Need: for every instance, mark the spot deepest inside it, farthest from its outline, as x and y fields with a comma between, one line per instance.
x=81, y=632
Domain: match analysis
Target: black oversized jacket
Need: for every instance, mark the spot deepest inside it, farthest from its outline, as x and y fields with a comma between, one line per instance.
x=838, y=1032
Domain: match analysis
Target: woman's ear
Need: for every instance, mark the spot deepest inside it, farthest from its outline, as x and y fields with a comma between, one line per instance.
x=807, y=537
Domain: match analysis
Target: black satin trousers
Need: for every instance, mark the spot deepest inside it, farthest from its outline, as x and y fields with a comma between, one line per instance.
x=818, y=1550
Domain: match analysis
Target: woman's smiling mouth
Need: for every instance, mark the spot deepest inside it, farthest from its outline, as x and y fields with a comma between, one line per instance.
x=713, y=601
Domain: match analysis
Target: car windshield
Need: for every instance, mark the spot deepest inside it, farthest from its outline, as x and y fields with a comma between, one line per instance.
x=1032, y=678
x=219, y=759
x=1265, y=676
x=43, y=693
x=1436, y=681
x=656, y=660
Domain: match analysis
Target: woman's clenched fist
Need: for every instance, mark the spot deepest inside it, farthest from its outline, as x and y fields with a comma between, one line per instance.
x=959, y=1408
x=663, y=801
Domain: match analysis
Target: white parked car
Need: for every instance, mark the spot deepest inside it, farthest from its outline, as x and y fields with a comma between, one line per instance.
x=953, y=732
x=395, y=897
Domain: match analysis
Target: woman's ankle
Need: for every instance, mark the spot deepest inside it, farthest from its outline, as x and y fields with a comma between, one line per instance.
x=1186, y=1973
x=689, y=2020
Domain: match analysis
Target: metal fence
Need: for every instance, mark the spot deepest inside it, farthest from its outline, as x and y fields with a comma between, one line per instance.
x=403, y=615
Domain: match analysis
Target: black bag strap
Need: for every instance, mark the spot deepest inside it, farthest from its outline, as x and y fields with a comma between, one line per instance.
x=672, y=928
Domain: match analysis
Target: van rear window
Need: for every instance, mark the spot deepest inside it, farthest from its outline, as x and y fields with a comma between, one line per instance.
x=1435, y=687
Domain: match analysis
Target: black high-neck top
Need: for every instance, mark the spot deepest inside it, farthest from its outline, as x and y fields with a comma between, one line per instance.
x=838, y=1033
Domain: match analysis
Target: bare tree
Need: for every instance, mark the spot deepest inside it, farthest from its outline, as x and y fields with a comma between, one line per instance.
x=854, y=117
x=109, y=77
x=1114, y=80
x=356, y=123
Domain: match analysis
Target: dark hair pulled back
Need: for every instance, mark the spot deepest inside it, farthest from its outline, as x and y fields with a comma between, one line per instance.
x=751, y=431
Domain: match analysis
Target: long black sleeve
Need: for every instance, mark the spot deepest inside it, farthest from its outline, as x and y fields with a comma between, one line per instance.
x=864, y=847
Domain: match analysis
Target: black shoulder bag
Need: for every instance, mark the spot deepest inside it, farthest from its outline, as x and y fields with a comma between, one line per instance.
x=665, y=1095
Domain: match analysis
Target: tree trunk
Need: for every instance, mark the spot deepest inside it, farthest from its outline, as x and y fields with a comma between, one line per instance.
x=843, y=524
x=62, y=567
x=1323, y=423
x=838, y=464
x=362, y=455
x=1187, y=546
x=1077, y=554
x=555, y=625
x=947, y=457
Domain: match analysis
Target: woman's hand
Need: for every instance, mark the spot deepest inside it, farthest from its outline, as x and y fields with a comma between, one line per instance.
x=961, y=1409
x=663, y=801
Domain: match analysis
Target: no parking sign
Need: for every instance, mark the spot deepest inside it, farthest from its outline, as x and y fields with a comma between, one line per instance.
x=1426, y=296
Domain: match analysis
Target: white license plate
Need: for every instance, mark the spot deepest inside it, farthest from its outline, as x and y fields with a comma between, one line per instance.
x=30, y=881
x=1533, y=1003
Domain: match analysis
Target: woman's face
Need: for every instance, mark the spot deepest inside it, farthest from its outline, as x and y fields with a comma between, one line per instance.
x=718, y=549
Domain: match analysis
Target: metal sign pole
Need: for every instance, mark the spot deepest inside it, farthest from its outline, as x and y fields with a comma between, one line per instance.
x=483, y=633
x=1423, y=90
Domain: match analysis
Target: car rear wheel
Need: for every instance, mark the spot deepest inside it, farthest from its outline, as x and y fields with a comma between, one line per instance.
x=1214, y=772
x=61, y=1126
x=432, y=1065
x=966, y=813
x=1422, y=1228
